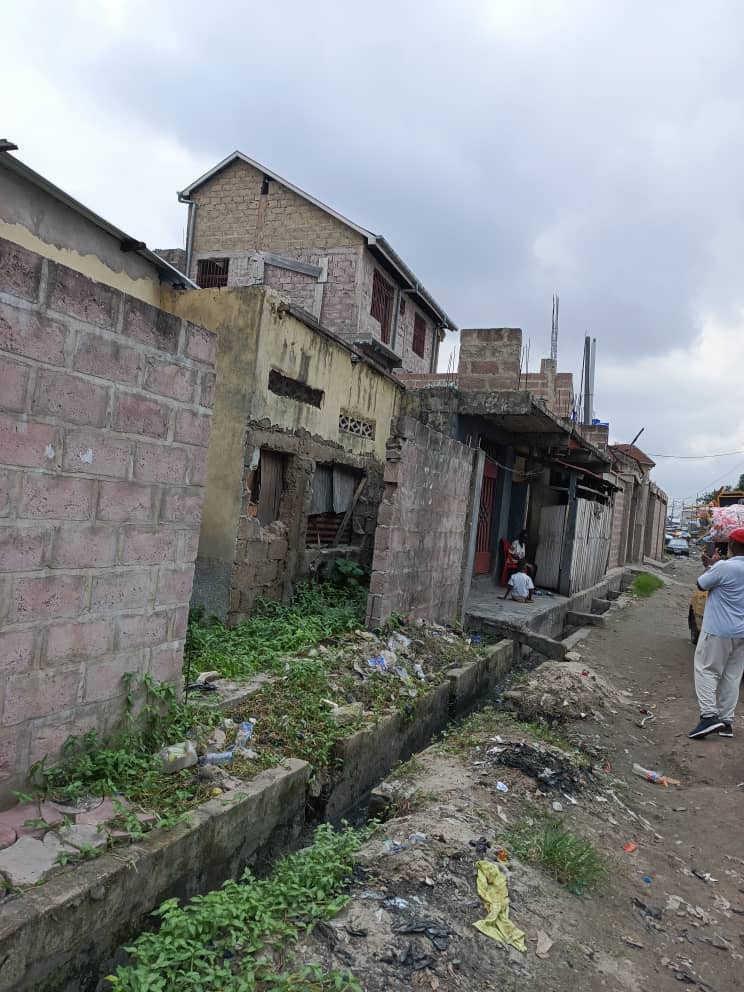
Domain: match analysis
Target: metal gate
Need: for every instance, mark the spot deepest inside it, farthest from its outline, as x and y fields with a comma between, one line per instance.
x=483, y=537
x=591, y=545
x=550, y=545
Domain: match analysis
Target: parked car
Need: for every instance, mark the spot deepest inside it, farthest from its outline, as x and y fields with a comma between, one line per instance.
x=679, y=546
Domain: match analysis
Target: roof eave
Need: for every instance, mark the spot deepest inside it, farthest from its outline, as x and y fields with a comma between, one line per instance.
x=417, y=289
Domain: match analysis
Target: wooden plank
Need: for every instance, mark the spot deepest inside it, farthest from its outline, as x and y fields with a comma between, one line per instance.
x=350, y=509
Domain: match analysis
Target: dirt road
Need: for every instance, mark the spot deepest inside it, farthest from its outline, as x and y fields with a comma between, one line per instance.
x=655, y=922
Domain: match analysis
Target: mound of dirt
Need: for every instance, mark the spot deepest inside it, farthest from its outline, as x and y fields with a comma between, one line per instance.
x=561, y=691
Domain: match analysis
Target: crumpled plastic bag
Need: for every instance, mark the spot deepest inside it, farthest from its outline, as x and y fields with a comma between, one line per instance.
x=492, y=890
x=724, y=519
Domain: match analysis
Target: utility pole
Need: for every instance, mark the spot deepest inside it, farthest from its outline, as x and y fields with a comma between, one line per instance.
x=590, y=354
x=554, y=329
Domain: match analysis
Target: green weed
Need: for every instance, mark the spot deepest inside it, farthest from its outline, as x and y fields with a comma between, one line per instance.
x=572, y=861
x=238, y=938
x=645, y=584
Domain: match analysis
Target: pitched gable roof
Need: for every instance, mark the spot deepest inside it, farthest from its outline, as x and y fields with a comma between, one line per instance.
x=633, y=452
x=375, y=242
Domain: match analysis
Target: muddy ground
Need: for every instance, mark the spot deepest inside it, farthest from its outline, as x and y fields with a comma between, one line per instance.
x=653, y=925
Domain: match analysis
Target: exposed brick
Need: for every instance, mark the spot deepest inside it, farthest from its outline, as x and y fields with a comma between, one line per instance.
x=77, y=641
x=198, y=471
x=41, y=693
x=71, y=399
x=103, y=678
x=96, y=453
x=16, y=651
x=174, y=585
x=151, y=326
x=57, y=497
x=33, y=335
x=180, y=624
x=160, y=463
x=208, y=381
x=173, y=381
x=75, y=294
x=201, y=344
x=182, y=505
x=147, y=545
x=166, y=663
x=46, y=597
x=188, y=545
x=8, y=480
x=23, y=549
x=20, y=271
x=192, y=428
x=86, y=546
x=120, y=590
x=8, y=754
x=137, y=629
x=135, y=414
x=13, y=384
x=29, y=445
x=125, y=501
x=107, y=359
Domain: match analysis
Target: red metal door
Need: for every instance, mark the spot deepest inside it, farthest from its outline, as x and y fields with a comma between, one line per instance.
x=485, y=520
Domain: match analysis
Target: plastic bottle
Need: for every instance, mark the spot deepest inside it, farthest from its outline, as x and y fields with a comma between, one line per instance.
x=176, y=757
x=217, y=758
x=245, y=732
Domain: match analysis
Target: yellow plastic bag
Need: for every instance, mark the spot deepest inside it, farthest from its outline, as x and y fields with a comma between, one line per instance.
x=492, y=890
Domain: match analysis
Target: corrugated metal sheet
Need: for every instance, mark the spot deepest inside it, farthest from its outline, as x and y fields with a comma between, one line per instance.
x=322, y=498
x=323, y=527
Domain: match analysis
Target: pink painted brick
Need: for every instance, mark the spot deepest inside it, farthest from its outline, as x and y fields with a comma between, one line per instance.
x=167, y=379
x=46, y=597
x=86, y=546
x=8, y=480
x=16, y=651
x=33, y=335
x=77, y=641
x=23, y=548
x=42, y=693
x=166, y=663
x=136, y=414
x=13, y=384
x=103, y=679
x=96, y=453
x=125, y=501
x=8, y=754
x=182, y=505
x=143, y=628
x=175, y=585
x=48, y=735
x=188, y=545
x=180, y=623
x=107, y=359
x=207, y=389
x=120, y=590
x=57, y=497
x=151, y=326
x=75, y=294
x=193, y=428
x=20, y=270
x=198, y=472
x=201, y=344
x=148, y=545
x=71, y=399
x=27, y=444
x=160, y=463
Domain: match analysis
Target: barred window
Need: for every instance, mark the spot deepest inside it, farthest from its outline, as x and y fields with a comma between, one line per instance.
x=211, y=273
x=382, y=305
x=419, y=336
x=349, y=424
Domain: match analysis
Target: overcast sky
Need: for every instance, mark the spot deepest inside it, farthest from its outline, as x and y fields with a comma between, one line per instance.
x=507, y=149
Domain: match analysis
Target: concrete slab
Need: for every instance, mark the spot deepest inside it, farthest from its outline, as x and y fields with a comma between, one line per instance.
x=29, y=860
x=80, y=835
x=15, y=818
x=575, y=619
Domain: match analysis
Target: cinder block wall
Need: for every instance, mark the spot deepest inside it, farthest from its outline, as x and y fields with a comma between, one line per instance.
x=105, y=413
x=489, y=358
x=421, y=539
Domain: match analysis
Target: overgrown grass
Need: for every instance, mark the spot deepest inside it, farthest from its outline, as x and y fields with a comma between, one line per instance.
x=262, y=643
x=645, y=584
x=239, y=938
x=572, y=861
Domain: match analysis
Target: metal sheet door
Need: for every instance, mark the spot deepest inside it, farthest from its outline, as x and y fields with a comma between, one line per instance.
x=483, y=538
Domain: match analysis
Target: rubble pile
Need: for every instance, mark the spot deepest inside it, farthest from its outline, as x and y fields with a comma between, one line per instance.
x=557, y=692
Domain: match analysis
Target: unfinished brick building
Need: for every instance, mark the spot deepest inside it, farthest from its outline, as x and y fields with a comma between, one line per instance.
x=248, y=226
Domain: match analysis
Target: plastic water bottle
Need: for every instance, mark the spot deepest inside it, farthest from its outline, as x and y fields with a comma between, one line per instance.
x=245, y=732
x=217, y=758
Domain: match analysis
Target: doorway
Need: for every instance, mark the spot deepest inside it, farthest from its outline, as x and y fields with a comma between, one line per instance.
x=484, y=534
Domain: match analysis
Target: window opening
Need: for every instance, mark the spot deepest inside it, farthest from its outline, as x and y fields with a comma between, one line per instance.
x=419, y=336
x=336, y=489
x=283, y=385
x=211, y=273
x=382, y=305
x=349, y=424
x=264, y=486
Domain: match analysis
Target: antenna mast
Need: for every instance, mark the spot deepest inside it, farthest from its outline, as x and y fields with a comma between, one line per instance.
x=554, y=329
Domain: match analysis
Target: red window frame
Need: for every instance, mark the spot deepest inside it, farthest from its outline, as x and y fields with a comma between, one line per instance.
x=418, y=344
x=381, y=307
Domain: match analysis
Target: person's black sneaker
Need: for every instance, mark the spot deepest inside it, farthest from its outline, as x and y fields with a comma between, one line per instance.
x=707, y=725
x=726, y=730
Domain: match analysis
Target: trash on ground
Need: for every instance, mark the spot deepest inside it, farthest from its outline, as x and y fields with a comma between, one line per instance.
x=176, y=757
x=630, y=847
x=481, y=845
x=544, y=943
x=438, y=934
x=218, y=758
x=652, y=776
x=704, y=876
x=549, y=766
x=557, y=807
x=502, y=786
x=647, y=879
x=396, y=902
x=494, y=894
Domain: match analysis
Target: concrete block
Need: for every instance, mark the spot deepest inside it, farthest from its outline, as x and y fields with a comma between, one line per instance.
x=574, y=619
x=600, y=606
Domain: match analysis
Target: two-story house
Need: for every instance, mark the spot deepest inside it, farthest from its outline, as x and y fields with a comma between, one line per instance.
x=248, y=226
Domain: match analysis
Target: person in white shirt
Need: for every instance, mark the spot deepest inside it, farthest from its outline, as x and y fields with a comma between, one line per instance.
x=719, y=656
x=521, y=585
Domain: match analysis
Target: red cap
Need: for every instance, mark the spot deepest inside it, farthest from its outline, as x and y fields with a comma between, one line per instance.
x=737, y=535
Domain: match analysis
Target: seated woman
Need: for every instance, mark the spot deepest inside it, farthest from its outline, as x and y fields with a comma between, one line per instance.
x=518, y=554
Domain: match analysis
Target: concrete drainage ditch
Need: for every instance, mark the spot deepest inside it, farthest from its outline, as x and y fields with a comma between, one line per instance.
x=65, y=934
